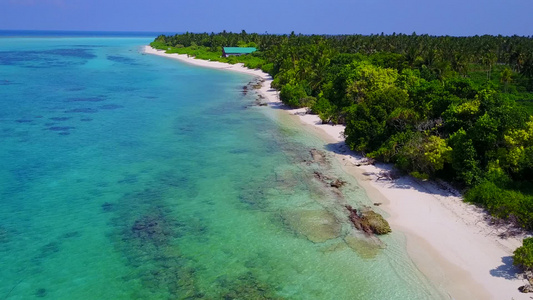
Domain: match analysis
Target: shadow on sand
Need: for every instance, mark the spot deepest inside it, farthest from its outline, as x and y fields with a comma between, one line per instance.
x=507, y=270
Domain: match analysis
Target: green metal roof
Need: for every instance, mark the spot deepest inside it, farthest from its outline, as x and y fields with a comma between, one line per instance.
x=239, y=50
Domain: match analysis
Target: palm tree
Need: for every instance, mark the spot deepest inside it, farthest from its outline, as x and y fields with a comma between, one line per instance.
x=506, y=77
x=489, y=59
x=527, y=69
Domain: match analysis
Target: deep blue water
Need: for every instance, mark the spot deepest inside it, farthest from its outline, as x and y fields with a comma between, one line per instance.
x=70, y=34
x=131, y=176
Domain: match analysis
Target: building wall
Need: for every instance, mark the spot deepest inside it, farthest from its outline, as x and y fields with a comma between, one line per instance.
x=233, y=54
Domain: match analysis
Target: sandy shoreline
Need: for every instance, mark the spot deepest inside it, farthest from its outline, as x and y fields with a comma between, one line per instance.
x=449, y=241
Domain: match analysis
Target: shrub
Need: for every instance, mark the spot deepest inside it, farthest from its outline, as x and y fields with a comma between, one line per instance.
x=291, y=94
x=252, y=62
x=267, y=68
x=503, y=203
x=523, y=256
x=418, y=175
x=308, y=101
x=159, y=45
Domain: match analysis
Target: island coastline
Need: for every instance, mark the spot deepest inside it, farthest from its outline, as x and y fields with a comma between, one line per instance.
x=450, y=241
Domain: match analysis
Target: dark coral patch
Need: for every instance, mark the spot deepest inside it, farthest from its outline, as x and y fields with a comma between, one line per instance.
x=60, y=128
x=45, y=59
x=121, y=59
x=60, y=118
x=40, y=293
x=110, y=106
x=129, y=179
x=83, y=110
x=49, y=249
x=71, y=234
x=72, y=52
x=88, y=99
x=107, y=207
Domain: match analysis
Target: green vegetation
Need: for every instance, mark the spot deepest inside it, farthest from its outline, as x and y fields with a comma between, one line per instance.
x=214, y=53
x=457, y=108
x=523, y=256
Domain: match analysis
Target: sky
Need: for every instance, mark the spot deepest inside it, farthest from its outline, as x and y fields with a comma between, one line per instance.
x=434, y=17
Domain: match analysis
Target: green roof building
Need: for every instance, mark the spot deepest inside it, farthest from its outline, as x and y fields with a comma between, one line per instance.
x=237, y=51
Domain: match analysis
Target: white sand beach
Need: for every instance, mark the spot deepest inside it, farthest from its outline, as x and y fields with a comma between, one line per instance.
x=450, y=241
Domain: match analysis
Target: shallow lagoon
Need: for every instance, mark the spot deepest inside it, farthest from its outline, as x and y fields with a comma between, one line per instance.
x=130, y=176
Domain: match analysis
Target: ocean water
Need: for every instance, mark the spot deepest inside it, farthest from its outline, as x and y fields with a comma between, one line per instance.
x=131, y=176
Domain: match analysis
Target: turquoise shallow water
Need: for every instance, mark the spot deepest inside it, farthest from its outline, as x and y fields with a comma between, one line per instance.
x=130, y=176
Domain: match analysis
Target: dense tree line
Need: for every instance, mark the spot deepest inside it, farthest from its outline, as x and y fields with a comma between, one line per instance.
x=436, y=53
x=448, y=107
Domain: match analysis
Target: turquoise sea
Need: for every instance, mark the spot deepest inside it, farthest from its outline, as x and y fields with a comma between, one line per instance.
x=131, y=176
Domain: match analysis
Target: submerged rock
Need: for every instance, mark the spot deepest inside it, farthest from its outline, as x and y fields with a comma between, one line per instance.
x=151, y=228
x=321, y=177
x=318, y=157
x=337, y=183
x=149, y=242
x=364, y=246
x=287, y=180
x=330, y=182
x=253, y=198
x=247, y=286
x=316, y=225
x=334, y=248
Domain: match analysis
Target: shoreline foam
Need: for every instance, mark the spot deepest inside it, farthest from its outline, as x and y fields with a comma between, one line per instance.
x=450, y=241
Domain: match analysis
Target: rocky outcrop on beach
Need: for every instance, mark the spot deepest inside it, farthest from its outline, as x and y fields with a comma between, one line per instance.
x=253, y=87
x=368, y=221
x=528, y=288
x=377, y=223
x=329, y=181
